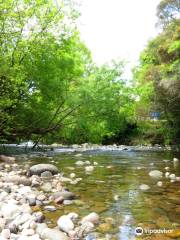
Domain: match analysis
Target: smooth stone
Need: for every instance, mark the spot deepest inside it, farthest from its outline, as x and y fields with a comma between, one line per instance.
x=89, y=168
x=167, y=174
x=53, y=234
x=46, y=187
x=72, y=175
x=40, y=168
x=175, y=160
x=27, y=232
x=32, y=201
x=65, y=223
x=159, y=184
x=21, y=219
x=84, y=229
x=172, y=176
x=144, y=187
x=68, y=202
x=17, y=180
x=156, y=174
x=92, y=217
x=40, y=227
x=59, y=200
x=13, y=228
x=24, y=190
x=50, y=208
x=6, y=233
x=79, y=163
x=73, y=216
x=7, y=159
x=46, y=174
x=65, y=194
x=41, y=197
x=166, y=168
x=10, y=210
x=39, y=217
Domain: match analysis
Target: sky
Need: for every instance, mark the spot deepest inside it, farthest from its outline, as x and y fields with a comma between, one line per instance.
x=117, y=29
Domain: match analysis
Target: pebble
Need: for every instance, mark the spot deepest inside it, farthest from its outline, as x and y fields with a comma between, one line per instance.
x=155, y=174
x=79, y=163
x=41, y=197
x=175, y=160
x=50, y=208
x=159, y=184
x=92, y=217
x=65, y=223
x=72, y=175
x=6, y=233
x=144, y=187
x=172, y=176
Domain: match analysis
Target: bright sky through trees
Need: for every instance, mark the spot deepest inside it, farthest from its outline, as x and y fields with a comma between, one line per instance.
x=117, y=28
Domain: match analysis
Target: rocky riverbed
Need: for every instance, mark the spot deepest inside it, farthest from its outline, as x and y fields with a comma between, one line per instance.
x=25, y=192
x=43, y=201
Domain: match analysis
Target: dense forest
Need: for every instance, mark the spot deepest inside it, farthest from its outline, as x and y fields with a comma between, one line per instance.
x=52, y=91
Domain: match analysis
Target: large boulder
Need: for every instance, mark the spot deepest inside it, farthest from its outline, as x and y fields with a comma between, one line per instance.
x=40, y=168
x=53, y=234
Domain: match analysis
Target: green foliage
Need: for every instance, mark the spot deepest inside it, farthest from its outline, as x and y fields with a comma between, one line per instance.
x=160, y=69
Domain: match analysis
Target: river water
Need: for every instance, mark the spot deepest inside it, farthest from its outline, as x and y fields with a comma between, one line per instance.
x=112, y=190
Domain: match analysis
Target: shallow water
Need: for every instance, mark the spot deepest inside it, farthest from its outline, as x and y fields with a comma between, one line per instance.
x=112, y=190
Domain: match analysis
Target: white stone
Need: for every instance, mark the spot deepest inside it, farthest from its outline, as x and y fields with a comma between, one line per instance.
x=25, y=190
x=92, y=217
x=88, y=162
x=89, y=168
x=155, y=174
x=172, y=176
x=144, y=187
x=79, y=163
x=166, y=168
x=27, y=232
x=72, y=175
x=175, y=160
x=73, y=216
x=167, y=174
x=65, y=224
x=6, y=233
x=159, y=184
x=10, y=210
x=95, y=163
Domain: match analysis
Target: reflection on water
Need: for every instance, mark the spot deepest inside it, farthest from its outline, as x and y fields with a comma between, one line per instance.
x=112, y=190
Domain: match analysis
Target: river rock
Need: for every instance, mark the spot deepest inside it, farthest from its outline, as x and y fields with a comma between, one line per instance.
x=27, y=232
x=73, y=216
x=175, y=160
x=40, y=168
x=59, y=200
x=65, y=223
x=24, y=190
x=144, y=187
x=40, y=227
x=155, y=174
x=6, y=233
x=39, y=217
x=89, y=168
x=46, y=187
x=50, y=208
x=92, y=217
x=79, y=163
x=7, y=159
x=159, y=184
x=10, y=210
x=46, y=174
x=65, y=194
x=53, y=234
x=172, y=176
x=17, y=180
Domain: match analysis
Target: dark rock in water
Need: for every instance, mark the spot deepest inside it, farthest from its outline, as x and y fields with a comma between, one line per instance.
x=7, y=159
x=40, y=168
x=18, y=180
x=46, y=174
x=65, y=194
